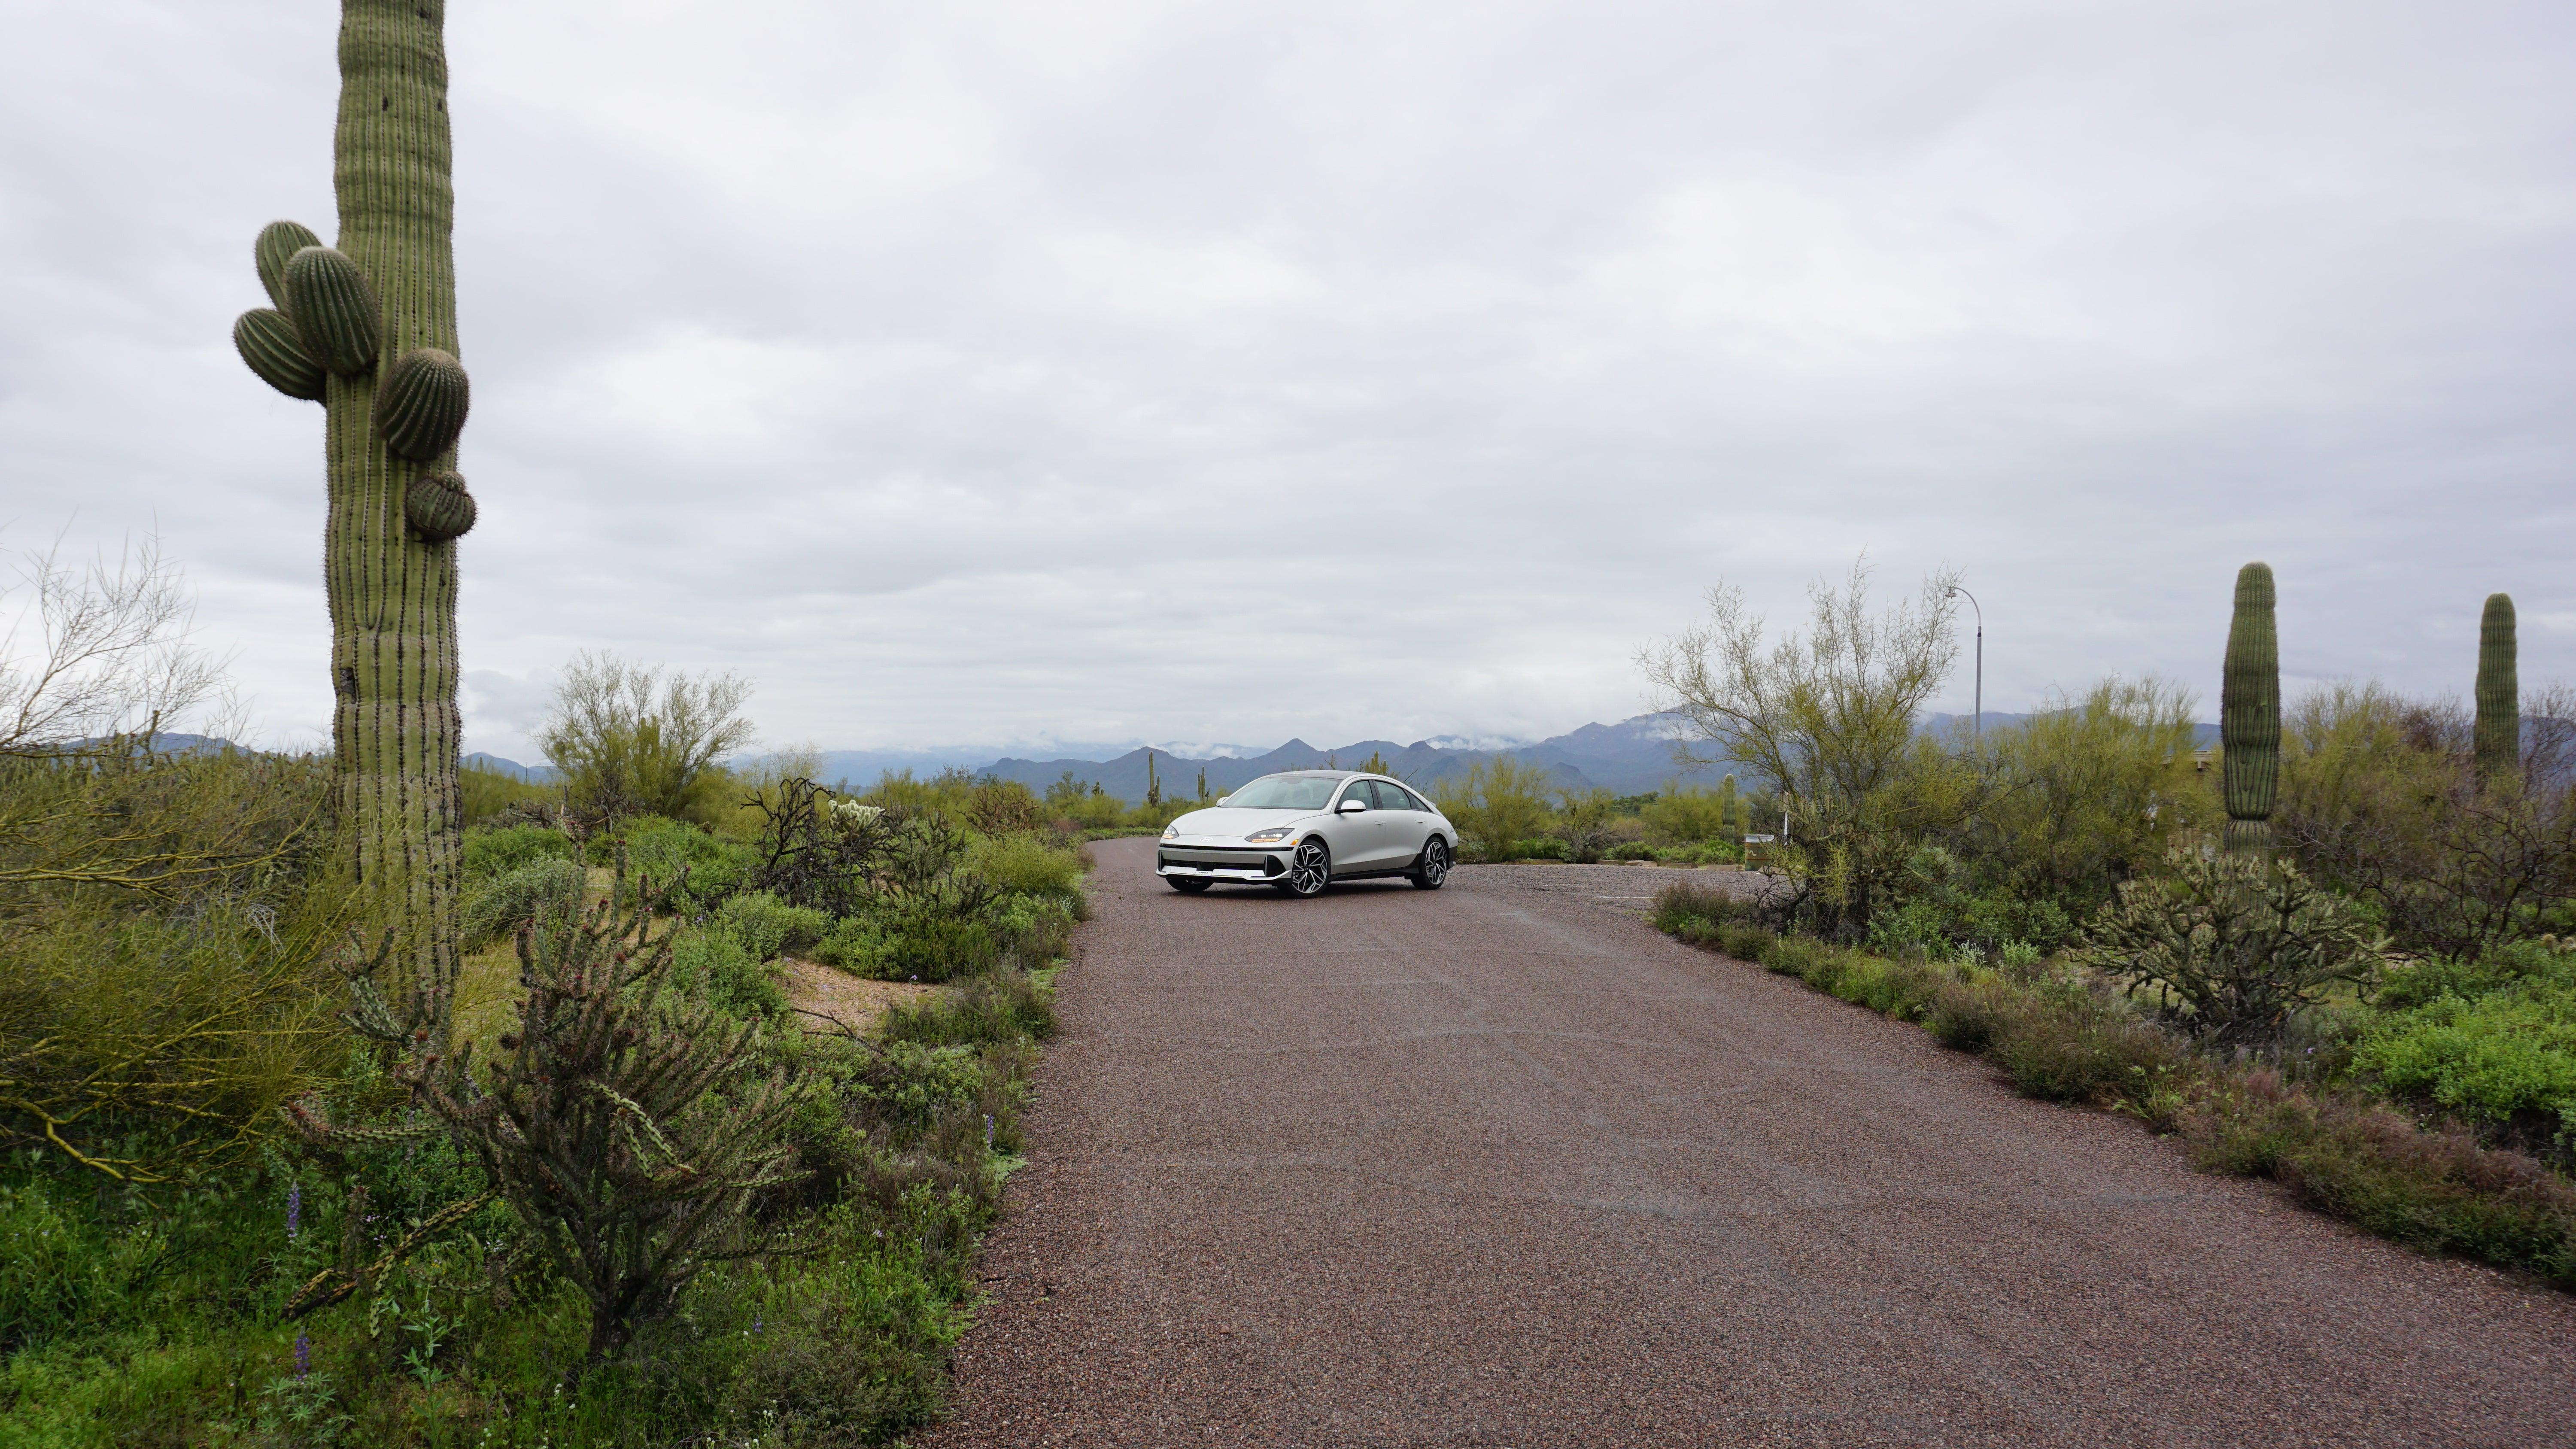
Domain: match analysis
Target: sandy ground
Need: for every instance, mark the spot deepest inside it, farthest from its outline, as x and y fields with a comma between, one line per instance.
x=846, y=999
x=1498, y=1165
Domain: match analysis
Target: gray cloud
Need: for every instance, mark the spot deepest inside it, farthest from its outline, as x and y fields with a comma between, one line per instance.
x=1016, y=373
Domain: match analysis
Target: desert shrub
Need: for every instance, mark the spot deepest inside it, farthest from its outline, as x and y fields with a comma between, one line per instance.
x=151, y=1045
x=630, y=1202
x=687, y=869
x=1688, y=900
x=1632, y=850
x=1087, y=806
x=1689, y=815
x=540, y=887
x=2082, y=1051
x=1498, y=806
x=2089, y=792
x=2505, y=1059
x=491, y=851
x=1588, y=822
x=857, y=946
x=2438, y=1191
x=767, y=926
x=2543, y=964
x=484, y=794
x=914, y=1082
x=1028, y=864
x=2230, y=945
x=1003, y=1007
x=2380, y=798
x=715, y=965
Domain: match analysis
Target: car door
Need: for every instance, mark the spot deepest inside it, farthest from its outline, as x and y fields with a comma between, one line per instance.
x=1358, y=837
x=1402, y=818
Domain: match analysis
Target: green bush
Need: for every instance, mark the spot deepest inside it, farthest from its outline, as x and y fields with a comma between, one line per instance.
x=915, y=1081
x=736, y=982
x=2506, y=1059
x=1029, y=865
x=767, y=926
x=857, y=946
x=519, y=897
x=1498, y=805
x=1689, y=815
x=1004, y=1007
x=493, y=851
x=658, y=851
x=2437, y=1191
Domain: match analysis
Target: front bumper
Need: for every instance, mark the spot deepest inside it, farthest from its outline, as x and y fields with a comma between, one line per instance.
x=1222, y=862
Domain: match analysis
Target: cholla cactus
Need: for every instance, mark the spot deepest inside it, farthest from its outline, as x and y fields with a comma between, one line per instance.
x=368, y=329
x=850, y=815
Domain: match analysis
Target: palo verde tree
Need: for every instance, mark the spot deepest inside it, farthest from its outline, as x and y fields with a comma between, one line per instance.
x=367, y=328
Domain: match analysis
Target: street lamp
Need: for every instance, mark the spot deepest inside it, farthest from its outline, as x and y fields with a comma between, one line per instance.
x=1979, y=726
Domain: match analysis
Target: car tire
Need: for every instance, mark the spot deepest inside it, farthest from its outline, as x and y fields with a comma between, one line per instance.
x=1309, y=870
x=1187, y=885
x=1431, y=871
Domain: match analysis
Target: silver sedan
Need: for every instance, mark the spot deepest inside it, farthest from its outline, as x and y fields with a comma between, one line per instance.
x=1306, y=829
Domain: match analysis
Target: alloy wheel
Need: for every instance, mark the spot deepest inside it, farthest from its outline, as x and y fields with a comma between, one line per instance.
x=1310, y=869
x=1434, y=868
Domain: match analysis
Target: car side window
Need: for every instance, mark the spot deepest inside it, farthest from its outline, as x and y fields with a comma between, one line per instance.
x=1357, y=790
x=1392, y=797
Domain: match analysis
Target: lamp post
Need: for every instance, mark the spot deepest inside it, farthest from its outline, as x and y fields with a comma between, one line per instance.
x=1978, y=727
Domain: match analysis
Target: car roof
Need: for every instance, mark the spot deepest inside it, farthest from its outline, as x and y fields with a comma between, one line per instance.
x=1317, y=774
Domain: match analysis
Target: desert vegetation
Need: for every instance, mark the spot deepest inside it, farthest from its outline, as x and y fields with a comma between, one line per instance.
x=274, y=1178
x=2336, y=949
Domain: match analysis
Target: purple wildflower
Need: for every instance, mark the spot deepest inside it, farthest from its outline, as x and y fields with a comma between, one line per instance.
x=294, y=1211
x=303, y=1354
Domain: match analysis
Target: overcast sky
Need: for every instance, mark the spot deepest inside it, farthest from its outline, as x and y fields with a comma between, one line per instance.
x=1043, y=373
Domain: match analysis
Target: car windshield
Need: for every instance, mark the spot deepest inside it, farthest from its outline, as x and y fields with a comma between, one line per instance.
x=1285, y=792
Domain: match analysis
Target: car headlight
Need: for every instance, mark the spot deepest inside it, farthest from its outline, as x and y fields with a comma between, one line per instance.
x=1172, y=831
x=1271, y=836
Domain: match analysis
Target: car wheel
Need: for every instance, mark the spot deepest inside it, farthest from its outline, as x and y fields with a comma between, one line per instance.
x=1186, y=885
x=1433, y=868
x=1310, y=869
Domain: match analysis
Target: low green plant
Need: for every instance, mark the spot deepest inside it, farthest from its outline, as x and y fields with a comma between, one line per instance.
x=498, y=850
x=714, y=964
x=767, y=926
x=2503, y=1060
x=544, y=888
x=1028, y=864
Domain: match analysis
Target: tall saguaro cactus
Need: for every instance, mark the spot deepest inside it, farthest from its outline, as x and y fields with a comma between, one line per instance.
x=2249, y=712
x=368, y=329
x=2499, y=730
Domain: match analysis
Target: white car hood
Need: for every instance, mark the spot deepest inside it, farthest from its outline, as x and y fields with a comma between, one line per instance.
x=1228, y=827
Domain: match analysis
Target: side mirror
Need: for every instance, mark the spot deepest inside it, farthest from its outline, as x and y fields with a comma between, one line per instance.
x=1351, y=807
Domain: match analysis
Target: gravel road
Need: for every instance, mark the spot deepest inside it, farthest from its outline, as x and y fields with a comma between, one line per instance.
x=1498, y=1165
